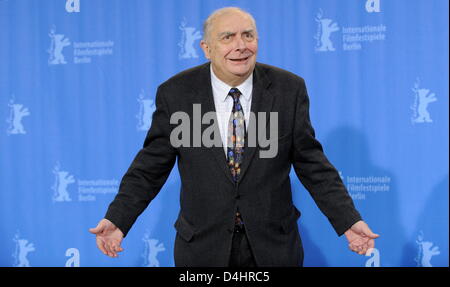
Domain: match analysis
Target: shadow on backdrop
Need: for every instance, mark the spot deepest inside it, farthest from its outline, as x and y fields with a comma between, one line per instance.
x=374, y=192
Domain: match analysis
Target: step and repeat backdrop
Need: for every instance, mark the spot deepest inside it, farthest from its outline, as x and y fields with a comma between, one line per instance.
x=77, y=88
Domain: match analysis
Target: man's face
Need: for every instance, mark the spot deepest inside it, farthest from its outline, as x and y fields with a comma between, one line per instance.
x=232, y=47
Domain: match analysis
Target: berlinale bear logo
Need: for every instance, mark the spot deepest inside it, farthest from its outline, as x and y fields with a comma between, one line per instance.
x=17, y=112
x=57, y=44
x=62, y=180
x=426, y=252
x=152, y=248
x=324, y=30
x=146, y=109
x=422, y=98
x=188, y=37
x=23, y=247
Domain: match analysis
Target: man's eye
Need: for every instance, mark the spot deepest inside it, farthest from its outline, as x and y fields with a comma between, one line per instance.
x=249, y=36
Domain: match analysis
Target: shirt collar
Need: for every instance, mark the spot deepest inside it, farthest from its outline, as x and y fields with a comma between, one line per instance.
x=245, y=87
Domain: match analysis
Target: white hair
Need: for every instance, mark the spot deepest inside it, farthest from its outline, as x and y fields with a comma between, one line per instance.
x=207, y=25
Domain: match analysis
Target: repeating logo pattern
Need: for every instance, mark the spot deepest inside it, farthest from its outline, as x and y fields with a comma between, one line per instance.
x=426, y=251
x=57, y=43
x=373, y=6
x=146, y=109
x=73, y=6
x=362, y=187
x=74, y=257
x=325, y=28
x=62, y=180
x=422, y=98
x=188, y=37
x=82, y=52
x=353, y=37
x=88, y=189
x=151, y=249
x=21, y=251
x=63, y=48
x=23, y=247
x=16, y=113
x=374, y=260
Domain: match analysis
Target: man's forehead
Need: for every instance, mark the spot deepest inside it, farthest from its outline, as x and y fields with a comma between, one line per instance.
x=233, y=22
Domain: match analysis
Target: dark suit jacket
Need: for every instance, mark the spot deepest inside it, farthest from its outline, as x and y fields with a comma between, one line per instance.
x=209, y=197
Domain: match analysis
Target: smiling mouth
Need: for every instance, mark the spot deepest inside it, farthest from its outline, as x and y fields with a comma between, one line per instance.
x=239, y=60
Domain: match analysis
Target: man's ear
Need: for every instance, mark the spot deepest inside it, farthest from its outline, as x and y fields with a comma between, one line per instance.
x=205, y=48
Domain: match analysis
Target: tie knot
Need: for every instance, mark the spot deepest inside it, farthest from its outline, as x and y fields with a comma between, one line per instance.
x=235, y=93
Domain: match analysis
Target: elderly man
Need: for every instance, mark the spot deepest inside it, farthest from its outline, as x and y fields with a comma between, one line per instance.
x=236, y=205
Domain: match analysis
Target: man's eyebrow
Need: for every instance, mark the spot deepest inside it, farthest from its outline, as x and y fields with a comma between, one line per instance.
x=226, y=34
x=248, y=31
x=234, y=33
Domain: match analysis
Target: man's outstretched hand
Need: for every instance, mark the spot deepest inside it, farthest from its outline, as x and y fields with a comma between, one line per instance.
x=108, y=237
x=360, y=237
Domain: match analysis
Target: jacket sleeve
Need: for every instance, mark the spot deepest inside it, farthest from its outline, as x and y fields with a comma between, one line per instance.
x=148, y=171
x=316, y=173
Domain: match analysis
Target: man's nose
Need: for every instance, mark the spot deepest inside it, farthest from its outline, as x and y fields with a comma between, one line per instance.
x=240, y=44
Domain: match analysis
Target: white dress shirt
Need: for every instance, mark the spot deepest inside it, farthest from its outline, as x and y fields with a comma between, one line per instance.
x=224, y=103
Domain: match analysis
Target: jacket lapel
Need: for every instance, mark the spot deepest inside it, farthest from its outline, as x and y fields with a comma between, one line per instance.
x=262, y=101
x=204, y=89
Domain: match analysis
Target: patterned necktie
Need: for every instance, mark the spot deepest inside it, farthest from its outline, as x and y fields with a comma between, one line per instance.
x=236, y=135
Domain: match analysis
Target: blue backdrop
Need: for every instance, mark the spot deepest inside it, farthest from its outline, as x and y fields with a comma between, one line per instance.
x=77, y=85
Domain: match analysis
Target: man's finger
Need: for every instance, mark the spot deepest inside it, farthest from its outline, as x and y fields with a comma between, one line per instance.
x=365, y=247
x=101, y=245
x=119, y=248
x=354, y=248
x=359, y=248
x=106, y=245
x=109, y=249
x=114, y=248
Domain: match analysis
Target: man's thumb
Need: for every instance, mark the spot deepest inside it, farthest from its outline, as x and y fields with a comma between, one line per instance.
x=97, y=229
x=370, y=234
